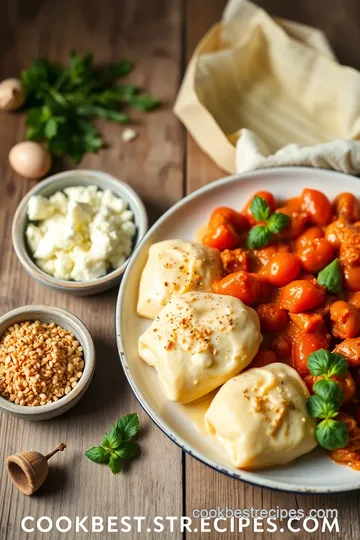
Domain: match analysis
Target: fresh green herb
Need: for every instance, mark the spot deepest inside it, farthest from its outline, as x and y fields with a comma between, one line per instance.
x=328, y=398
x=62, y=102
x=332, y=434
x=323, y=362
x=331, y=277
x=117, y=444
x=260, y=235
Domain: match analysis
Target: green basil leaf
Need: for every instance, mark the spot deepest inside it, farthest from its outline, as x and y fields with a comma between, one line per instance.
x=338, y=365
x=319, y=408
x=318, y=362
x=128, y=426
x=328, y=390
x=115, y=463
x=332, y=434
x=99, y=454
x=144, y=102
x=113, y=439
x=260, y=208
x=258, y=237
x=278, y=222
x=331, y=277
x=128, y=450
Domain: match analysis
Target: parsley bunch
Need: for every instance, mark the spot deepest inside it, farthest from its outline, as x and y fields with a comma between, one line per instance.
x=117, y=444
x=62, y=102
x=260, y=235
x=331, y=277
x=328, y=398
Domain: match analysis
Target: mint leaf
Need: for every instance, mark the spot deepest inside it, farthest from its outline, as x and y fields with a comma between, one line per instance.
x=115, y=464
x=260, y=208
x=328, y=390
x=331, y=277
x=128, y=426
x=258, y=237
x=128, y=450
x=319, y=408
x=277, y=222
x=98, y=454
x=332, y=434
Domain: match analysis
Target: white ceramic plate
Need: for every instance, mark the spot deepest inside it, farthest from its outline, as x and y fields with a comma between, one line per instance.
x=314, y=472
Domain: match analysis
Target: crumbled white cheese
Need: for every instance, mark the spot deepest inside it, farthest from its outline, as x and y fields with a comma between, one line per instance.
x=128, y=134
x=80, y=233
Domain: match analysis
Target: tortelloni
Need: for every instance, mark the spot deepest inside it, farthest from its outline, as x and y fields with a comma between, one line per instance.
x=260, y=417
x=199, y=341
x=175, y=267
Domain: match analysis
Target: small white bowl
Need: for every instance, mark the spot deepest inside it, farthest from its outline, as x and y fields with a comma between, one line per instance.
x=70, y=322
x=58, y=182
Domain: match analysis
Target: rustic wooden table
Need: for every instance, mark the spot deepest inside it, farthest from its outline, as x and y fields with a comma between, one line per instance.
x=162, y=164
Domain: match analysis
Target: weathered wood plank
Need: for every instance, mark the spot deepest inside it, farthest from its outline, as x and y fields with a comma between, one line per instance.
x=149, y=33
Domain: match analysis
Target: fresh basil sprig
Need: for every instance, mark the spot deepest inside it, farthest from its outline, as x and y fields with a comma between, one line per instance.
x=117, y=444
x=260, y=235
x=328, y=398
x=331, y=277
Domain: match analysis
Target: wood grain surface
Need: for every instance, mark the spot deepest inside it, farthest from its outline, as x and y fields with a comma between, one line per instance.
x=162, y=164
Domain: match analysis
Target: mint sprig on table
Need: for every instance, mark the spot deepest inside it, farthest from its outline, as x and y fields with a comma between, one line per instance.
x=117, y=444
x=327, y=399
x=331, y=277
x=62, y=102
x=260, y=235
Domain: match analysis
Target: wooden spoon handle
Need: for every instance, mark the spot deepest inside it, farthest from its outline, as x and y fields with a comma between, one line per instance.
x=59, y=448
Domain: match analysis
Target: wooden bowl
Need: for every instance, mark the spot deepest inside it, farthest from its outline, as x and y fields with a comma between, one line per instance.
x=58, y=182
x=70, y=322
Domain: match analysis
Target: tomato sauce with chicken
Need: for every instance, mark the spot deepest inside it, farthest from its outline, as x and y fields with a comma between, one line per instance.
x=280, y=277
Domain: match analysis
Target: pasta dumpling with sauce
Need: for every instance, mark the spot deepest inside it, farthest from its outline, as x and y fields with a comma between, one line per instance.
x=175, y=267
x=260, y=417
x=199, y=341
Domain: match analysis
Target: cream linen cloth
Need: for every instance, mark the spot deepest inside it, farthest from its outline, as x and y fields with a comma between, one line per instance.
x=263, y=92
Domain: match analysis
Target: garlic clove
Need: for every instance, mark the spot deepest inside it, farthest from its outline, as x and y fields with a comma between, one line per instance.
x=12, y=95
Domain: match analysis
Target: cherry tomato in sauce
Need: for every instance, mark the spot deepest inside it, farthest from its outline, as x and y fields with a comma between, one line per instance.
x=301, y=295
x=317, y=206
x=272, y=318
x=241, y=284
x=238, y=220
x=281, y=269
x=294, y=203
x=267, y=196
x=315, y=255
x=303, y=347
x=298, y=221
x=221, y=234
x=308, y=323
x=263, y=357
x=347, y=205
x=264, y=255
x=345, y=320
x=350, y=348
x=352, y=278
x=310, y=234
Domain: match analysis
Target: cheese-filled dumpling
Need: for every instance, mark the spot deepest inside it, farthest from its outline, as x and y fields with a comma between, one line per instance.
x=199, y=341
x=260, y=417
x=175, y=267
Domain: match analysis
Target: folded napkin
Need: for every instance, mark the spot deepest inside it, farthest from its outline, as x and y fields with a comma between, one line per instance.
x=264, y=92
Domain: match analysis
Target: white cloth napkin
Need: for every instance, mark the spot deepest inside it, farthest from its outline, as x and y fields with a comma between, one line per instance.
x=340, y=155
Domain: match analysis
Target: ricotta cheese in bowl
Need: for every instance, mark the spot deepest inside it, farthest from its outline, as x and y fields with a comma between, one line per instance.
x=79, y=233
